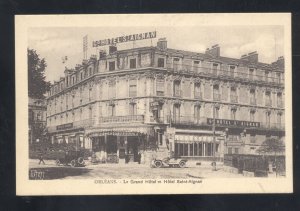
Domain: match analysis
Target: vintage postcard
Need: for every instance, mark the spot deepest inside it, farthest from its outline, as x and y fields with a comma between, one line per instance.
x=153, y=104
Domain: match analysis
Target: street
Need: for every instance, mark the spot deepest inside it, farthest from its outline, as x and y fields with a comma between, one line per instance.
x=121, y=171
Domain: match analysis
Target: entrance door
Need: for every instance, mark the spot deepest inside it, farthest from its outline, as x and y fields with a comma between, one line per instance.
x=132, y=148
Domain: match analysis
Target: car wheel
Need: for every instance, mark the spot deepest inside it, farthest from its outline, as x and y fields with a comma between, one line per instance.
x=57, y=162
x=181, y=164
x=73, y=163
x=80, y=161
x=158, y=164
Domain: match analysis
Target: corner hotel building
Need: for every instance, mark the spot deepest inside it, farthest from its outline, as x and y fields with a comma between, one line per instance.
x=153, y=100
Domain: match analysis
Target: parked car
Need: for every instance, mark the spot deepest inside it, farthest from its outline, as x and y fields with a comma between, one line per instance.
x=168, y=162
x=71, y=157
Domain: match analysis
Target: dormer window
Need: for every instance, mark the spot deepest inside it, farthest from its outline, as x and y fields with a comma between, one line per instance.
x=231, y=70
x=215, y=69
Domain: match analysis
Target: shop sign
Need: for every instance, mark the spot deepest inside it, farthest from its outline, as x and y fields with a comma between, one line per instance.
x=126, y=38
x=228, y=122
x=64, y=126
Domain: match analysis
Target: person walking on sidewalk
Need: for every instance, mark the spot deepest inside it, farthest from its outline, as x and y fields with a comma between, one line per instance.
x=41, y=158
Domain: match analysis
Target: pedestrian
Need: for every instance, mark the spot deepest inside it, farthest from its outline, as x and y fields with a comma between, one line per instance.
x=41, y=158
x=139, y=158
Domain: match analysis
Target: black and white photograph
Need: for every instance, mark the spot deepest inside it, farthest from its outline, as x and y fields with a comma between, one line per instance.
x=132, y=104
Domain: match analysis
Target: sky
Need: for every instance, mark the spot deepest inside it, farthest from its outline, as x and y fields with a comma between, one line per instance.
x=53, y=43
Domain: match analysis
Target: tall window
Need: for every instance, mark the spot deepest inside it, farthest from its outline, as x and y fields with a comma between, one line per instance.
x=268, y=119
x=161, y=62
x=233, y=95
x=266, y=76
x=112, y=110
x=196, y=66
x=132, y=63
x=268, y=98
x=216, y=93
x=176, y=113
x=132, y=88
x=279, y=100
x=112, y=89
x=81, y=75
x=132, y=109
x=217, y=111
x=278, y=77
x=197, y=90
x=279, y=119
x=215, y=68
x=176, y=64
x=177, y=92
x=231, y=70
x=251, y=71
x=111, y=66
x=90, y=71
x=160, y=87
x=233, y=114
x=197, y=114
x=252, y=116
x=252, y=97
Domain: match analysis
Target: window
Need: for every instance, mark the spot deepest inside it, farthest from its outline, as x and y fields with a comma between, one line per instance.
x=81, y=75
x=233, y=95
x=233, y=114
x=132, y=109
x=279, y=100
x=266, y=76
x=132, y=88
x=252, y=97
x=90, y=71
x=161, y=62
x=215, y=68
x=217, y=109
x=251, y=71
x=229, y=150
x=252, y=116
x=112, y=89
x=236, y=150
x=279, y=119
x=231, y=70
x=132, y=63
x=278, y=77
x=196, y=66
x=176, y=64
x=197, y=91
x=216, y=93
x=268, y=119
x=177, y=92
x=112, y=110
x=176, y=113
x=233, y=138
x=160, y=87
x=73, y=80
x=197, y=114
x=111, y=66
x=268, y=98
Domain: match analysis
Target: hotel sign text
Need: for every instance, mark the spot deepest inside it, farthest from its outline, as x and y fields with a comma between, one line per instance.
x=127, y=38
x=228, y=122
x=64, y=126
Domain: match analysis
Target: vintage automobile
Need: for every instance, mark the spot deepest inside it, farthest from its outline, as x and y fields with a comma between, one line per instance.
x=168, y=162
x=71, y=157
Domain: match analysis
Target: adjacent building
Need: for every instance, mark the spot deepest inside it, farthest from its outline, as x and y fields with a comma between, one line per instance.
x=152, y=100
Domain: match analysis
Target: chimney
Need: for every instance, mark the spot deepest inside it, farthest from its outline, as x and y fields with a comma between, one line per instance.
x=214, y=51
x=112, y=49
x=251, y=57
x=280, y=62
x=162, y=43
x=102, y=54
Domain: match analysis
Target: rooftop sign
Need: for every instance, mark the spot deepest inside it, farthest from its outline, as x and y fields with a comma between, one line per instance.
x=127, y=38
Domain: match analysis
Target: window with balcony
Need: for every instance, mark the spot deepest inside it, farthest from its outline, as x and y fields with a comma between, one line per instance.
x=161, y=62
x=231, y=70
x=252, y=97
x=132, y=63
x=111, y=66
x=216, y=93
x=197, y=91
x=233, y=95
x=215, y=69
x=133, y=88
x=176, y=89
x=112, y=89
x=160, y=87
x=251, y=73
x=132, y=109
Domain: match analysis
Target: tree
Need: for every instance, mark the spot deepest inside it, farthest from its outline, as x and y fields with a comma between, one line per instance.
x=272, y=146
x=37, y=86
